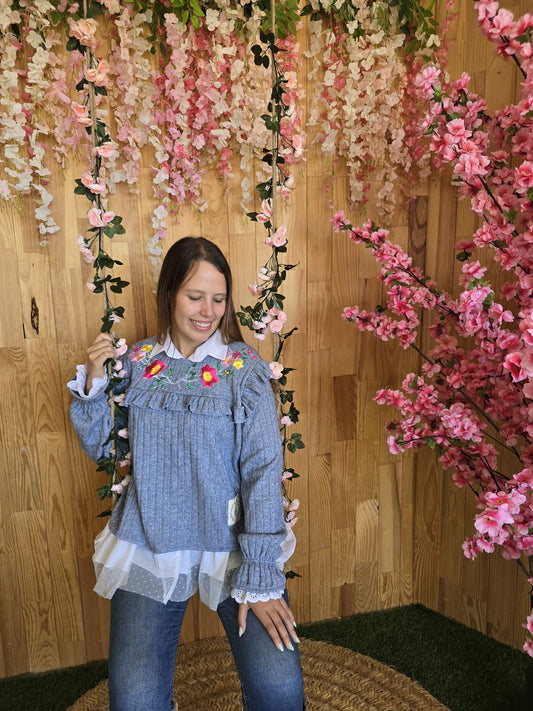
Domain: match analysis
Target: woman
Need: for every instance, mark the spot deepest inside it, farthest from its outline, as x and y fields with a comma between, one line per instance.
x=203, y=509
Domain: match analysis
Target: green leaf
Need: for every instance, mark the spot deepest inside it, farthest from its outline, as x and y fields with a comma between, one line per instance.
x=72, y=44
x=197, y=10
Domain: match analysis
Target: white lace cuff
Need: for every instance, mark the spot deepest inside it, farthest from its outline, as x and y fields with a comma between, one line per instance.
x=78, y=384
x=241, y=596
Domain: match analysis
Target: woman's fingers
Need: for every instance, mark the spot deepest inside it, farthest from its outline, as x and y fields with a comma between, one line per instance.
x=101, y=350
x=98, y=353
x=278, y=620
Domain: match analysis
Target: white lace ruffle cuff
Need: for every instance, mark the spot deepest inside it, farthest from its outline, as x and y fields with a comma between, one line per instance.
x=241, y=596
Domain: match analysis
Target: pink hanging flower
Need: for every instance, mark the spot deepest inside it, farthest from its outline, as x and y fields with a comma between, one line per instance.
x=276, y=369
x=84, y=31
x=120, y=347
x=279, y=238
x=97, y=218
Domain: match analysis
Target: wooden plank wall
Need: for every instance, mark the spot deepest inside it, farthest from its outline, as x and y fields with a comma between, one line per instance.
x=374, y=531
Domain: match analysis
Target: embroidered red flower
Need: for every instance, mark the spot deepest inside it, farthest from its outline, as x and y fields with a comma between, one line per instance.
x=209, y=376
x=154, y=368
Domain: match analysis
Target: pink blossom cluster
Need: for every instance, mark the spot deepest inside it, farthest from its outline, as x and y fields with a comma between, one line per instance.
x=362, y=104
x=291, y=506
x=271, y=321
x=474, y=398
x=208, y=102
x=406, y=286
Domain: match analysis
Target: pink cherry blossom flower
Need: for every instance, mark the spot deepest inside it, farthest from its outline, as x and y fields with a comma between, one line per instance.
x=491, y=522
x=513, y=362
x=338, y=220
x=426, y=80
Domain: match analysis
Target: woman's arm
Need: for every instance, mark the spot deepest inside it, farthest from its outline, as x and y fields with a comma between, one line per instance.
x=261, y=466
x=90, y=414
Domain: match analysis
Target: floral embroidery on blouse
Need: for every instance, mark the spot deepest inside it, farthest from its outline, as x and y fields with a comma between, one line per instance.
x=153, y=369
x=208, y=375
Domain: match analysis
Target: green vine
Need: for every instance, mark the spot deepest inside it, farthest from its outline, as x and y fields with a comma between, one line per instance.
x=105, y=225
x=274, y=272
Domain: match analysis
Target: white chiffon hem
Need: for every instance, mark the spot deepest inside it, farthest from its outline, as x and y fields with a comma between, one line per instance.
x=173, y=576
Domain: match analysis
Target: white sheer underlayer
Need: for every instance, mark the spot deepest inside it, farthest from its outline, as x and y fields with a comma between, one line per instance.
x=176, y=575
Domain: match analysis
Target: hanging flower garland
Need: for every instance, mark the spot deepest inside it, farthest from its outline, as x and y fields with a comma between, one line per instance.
x=26, y=33
x=364, y=56
x=362, y=104
x=209, y=99
x=104, y=224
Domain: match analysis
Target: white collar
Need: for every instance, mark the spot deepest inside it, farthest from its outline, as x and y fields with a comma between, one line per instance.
x=214, y=346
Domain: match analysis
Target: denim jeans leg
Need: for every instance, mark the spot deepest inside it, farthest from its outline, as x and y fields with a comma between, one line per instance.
x=144, y=637
x=271, y=680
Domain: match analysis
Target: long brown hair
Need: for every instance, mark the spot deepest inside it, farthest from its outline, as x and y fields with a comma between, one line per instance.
x=177, y=265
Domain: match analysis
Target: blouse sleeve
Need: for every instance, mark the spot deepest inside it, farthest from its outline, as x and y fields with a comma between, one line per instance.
x=261, y=467
x=91, y=417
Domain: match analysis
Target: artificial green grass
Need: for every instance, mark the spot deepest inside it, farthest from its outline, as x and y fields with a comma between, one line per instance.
x=50, y=691
x=460, y=667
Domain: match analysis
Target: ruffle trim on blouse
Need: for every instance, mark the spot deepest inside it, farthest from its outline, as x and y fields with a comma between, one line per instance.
x=254, y=387
x=178, y=402
x=176, y=575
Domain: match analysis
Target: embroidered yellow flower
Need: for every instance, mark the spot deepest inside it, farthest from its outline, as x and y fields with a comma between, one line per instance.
x=209, y=376
x=238, y=363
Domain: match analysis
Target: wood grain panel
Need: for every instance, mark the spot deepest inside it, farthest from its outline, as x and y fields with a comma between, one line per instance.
x=33, y=560
x=14, y=647
x=11, y=323
x=320, y=502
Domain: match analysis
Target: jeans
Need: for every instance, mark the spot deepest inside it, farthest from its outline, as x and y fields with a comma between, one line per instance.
x=142, y=656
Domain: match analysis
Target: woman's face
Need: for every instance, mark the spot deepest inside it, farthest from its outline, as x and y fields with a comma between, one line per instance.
x=199, y=306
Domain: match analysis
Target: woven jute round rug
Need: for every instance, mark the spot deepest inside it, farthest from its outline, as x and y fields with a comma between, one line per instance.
x=335, y=678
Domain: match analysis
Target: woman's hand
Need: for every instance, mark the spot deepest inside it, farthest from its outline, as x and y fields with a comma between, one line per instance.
x=276, y=617
x=101, y=350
